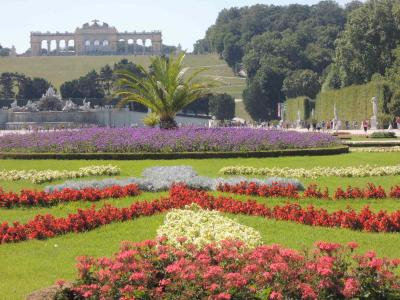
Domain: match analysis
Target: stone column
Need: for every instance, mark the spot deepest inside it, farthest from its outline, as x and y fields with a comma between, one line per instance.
x=48, y=47
x=134, y=47
x=58, y=46
x=36, y=45
x=35, y=49
x=156, y=47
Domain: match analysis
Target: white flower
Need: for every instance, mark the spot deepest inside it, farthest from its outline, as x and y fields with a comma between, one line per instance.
x=202, y=227
x=360, y=171
x=37, y=176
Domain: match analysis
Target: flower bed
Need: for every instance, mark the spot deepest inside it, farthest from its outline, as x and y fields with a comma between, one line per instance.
x=42, y=176
x=229, y=270
x=42, y=227
x=376, y=149
x=359, y=171
x=150, y=140
x=312, y=191
x=157, y=179
x=193, y=225
x=29, y=198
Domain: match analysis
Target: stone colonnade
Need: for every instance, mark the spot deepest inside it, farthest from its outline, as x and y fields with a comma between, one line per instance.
x=96, y=40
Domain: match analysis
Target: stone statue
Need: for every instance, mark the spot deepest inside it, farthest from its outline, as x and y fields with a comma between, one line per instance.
x=374, y=102
x=31, y=107
x=85, y=106
x=298, y=119
x=50, y=101
x=70, y=106
x=335, y=113
x=14, y=104
x=374, y=118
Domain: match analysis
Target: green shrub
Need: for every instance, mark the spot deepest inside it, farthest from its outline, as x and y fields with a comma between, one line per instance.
x=222, y=106
x=383, y=135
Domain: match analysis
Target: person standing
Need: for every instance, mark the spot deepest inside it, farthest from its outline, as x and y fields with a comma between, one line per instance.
x=365, y=125
x=398, y=122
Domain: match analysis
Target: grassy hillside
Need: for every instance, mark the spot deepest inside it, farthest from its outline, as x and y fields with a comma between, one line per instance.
x=63, y=68
x=58, y=69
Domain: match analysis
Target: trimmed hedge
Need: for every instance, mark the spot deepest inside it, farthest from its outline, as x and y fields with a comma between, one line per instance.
x=304, y=104
x=371, y=143
x=353, y=103
x=383, y=135
x=183, y=155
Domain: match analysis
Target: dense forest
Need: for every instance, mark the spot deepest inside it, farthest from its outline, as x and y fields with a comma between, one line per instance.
x=297, y=50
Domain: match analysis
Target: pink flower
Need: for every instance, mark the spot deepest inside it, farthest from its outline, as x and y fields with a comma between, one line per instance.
x=137, y=276
x=352, y=245
x=276, y=296
x=351, y=287
x=223, y=296
x=308, y=292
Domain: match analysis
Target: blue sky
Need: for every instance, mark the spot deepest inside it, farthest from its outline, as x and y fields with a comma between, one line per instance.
x=182, y=21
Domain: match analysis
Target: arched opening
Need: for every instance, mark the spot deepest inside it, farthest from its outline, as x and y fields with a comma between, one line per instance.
x=71, y=45
x=43, y=48
x=122, y=46
x=53, y=46
x=131, y=46
x=63, y=46
x=96, y=43
x=149, y=46
x=139, y=46
x=87, y=43
x=106, y=43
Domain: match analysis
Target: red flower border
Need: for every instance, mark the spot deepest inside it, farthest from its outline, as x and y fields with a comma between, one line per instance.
x=47, y=226
x=28, y=198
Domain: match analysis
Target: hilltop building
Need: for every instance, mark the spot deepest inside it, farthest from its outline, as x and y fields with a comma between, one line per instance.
x=96, y=39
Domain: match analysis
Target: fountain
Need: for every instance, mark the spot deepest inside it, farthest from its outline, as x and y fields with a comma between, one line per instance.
x=52, y=112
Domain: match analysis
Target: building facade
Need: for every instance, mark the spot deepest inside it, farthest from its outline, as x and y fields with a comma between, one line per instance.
x=96, y=39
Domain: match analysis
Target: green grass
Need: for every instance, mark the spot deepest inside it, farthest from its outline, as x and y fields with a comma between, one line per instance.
x=36, y=264
x=210, y=167
x=32, y=265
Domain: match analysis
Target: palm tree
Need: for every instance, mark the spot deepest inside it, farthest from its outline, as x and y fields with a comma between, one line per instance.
x=165, y=89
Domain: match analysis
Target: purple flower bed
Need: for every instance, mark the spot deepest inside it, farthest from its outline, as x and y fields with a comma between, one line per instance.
x=148, y=140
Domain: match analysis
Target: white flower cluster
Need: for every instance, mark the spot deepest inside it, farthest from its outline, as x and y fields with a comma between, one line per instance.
x=375, y=149
x=360, y=171
x=161, y=178
x=41, y=176
x=202, y=227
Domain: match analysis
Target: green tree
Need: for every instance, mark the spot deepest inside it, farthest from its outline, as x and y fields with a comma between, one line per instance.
x=222, y=106
x=106, y=78
x=263, y=92
x=70, y=89
x=164, y=90
x=29, y=88
x=7, y=85
x=301, y=83
x=366, y=46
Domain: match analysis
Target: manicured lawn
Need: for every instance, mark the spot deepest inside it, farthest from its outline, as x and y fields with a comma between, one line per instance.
x=211, y=167
x=32, y=265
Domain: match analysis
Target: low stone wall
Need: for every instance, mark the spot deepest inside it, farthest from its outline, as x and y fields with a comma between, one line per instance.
x=113, y=118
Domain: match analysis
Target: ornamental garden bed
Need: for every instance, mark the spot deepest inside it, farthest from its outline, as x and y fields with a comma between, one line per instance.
x=152, y=140
x=94, y=215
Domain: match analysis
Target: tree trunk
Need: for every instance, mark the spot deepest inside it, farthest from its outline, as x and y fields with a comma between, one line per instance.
x=168, y=123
